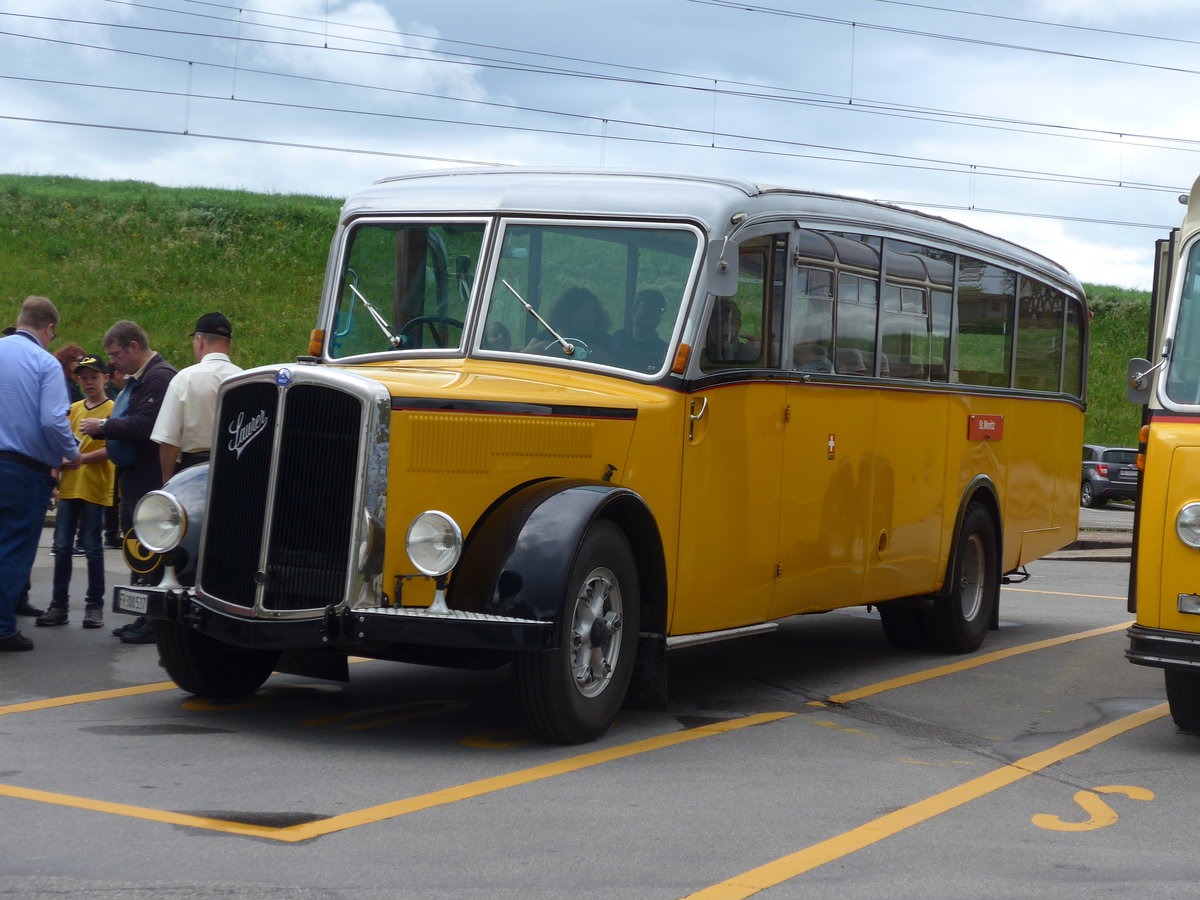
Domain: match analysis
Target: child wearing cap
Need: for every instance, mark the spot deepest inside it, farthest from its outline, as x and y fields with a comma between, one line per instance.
x=83, y=492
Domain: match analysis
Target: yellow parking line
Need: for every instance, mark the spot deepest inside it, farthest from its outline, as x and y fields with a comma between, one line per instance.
x=1064, y=594
x=788, y=867
x=971, y=663
x=309, y=830
x=53, y=702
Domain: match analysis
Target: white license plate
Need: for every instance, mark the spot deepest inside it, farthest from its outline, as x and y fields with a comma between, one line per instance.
x=133, y=601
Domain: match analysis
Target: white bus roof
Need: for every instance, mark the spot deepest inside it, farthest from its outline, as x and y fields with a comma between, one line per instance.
x=714, y=202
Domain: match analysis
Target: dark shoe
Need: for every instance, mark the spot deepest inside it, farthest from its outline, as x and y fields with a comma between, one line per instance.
x=25, y=608
x=112, y=543
x=55, y=615
x=16, y=641
x=143, y=635
x=93, y=617
x=79, y=551
x=130, y=626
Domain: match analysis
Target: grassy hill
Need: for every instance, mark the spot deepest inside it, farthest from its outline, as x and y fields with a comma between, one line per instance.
x=110, y=250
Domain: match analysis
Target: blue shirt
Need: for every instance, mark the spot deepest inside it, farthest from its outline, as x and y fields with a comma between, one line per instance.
x=33, y=402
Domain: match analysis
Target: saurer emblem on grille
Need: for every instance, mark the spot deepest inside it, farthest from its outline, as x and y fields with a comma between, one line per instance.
x=245, y=431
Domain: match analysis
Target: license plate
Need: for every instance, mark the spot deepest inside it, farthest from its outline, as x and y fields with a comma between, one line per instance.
x=133, y=601
x=1130, y=473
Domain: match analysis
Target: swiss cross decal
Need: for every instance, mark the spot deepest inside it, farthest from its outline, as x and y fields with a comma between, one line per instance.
x=832, y=445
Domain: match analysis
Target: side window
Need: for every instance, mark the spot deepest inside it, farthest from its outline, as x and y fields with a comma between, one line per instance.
x=739, y=326
x=1072, y=381
x=1039, y=337
x=915, y=323
x=857, y=303
x=812, y=320
x=986, y=296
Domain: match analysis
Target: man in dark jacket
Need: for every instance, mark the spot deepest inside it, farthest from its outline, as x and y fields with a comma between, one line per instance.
x=129, y=427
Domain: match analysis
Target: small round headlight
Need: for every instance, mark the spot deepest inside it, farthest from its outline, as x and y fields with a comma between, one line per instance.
x=159, y=521
x=1187, y=525
x=434, y=543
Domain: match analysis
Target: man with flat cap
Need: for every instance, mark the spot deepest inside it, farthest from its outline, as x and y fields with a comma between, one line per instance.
x=184, y=428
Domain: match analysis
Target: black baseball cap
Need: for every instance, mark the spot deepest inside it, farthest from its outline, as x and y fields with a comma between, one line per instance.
x=90, y=362
x=214, y=323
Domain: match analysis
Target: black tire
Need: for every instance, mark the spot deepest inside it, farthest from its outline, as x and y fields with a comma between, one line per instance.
x=210, y=668
x=571, y=694
x=903, y=626
x=1183, y=696
x=959, y=621
x=1088, y=498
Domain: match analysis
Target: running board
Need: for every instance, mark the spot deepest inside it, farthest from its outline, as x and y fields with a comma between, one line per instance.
x=711, y=637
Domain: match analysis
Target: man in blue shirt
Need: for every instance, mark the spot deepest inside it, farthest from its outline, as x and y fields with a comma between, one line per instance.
x=35, y=440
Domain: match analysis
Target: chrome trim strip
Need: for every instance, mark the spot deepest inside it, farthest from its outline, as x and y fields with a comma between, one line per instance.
x=711, y=637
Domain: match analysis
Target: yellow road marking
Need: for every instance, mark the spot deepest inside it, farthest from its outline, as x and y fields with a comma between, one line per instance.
x=1100, y=814
x=788, y=867
x=71, y=699
x=1064, y=594
x=962, y=665
x=309, y=830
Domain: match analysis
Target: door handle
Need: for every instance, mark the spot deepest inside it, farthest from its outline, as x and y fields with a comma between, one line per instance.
x=696, y=415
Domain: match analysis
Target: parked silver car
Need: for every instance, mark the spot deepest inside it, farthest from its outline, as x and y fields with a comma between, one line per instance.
x=1109, y=473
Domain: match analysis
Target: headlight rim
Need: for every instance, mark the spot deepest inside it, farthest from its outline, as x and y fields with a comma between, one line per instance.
x=1191, y=510
x=453, y=531
x=147, y=502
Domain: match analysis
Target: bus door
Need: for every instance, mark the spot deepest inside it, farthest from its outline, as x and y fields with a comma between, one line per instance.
x=828, y=474
x=733, y=436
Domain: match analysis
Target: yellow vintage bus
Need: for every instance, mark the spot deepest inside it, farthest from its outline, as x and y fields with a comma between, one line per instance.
x=1165, y=576
x=565, y=421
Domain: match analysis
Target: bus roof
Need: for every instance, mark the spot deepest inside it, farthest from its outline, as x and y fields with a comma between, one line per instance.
x=717, y=203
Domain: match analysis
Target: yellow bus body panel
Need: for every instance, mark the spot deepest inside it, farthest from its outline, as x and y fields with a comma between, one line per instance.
x=1167, y=567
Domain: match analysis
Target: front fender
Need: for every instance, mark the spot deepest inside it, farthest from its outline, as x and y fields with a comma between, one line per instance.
x=517, y=558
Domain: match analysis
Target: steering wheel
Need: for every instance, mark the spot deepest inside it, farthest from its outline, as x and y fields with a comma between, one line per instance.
x=412, y=324
x=554, y=348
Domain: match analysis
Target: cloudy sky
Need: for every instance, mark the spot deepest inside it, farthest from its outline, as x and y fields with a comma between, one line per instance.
x=1069, y=126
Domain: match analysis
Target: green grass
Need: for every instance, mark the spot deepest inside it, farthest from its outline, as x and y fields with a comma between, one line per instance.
x=110, y=250
x=105, y=251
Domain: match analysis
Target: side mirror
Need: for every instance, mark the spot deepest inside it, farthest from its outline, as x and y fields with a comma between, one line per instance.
x=721, y=270
x=1137, y=387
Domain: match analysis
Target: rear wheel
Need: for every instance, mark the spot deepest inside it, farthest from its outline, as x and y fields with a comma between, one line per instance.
x=1088, y=498
x=571, y=694
x=959, y=621
x=1183, y=696
x=210, y=668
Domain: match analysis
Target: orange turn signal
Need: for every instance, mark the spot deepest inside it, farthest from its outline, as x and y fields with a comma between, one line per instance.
x=316, y=340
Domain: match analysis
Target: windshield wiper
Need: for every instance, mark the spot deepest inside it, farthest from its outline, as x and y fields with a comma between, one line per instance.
x=394, y=340
x=567, y=347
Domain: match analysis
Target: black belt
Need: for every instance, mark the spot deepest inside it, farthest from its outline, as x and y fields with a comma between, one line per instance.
x=193, y=459
x=28, y=461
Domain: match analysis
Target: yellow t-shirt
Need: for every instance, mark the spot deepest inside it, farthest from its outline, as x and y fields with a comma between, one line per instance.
x=92, y=482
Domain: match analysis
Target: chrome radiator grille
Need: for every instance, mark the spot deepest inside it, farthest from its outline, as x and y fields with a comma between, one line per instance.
x=285, y=460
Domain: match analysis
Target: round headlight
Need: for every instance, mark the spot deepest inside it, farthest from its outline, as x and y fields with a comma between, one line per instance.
x=434, y=543
x=159, y=521
x=1187, y=525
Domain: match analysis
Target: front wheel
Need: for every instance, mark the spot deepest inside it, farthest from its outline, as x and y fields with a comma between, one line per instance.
x=210, y=668
x=571, y=694
x=1183, y=696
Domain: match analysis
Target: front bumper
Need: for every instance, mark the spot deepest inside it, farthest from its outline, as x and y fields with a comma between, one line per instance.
x=1163, y=649
x=360, y=632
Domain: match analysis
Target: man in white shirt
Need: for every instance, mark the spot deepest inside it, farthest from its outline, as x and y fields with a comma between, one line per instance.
x=184, y=428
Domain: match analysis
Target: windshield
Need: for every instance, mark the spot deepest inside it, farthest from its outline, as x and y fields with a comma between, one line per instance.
x=608, y=295
x=405, y=287
x=1183, y=373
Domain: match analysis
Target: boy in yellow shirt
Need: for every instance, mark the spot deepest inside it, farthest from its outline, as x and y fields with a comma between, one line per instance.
x=83, y=493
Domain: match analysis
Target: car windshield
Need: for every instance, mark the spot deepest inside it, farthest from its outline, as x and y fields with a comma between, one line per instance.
x=1183, y=369
x=606, y=295
x=601, y=294
x=405, y=286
